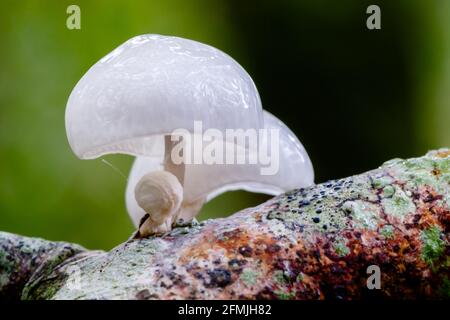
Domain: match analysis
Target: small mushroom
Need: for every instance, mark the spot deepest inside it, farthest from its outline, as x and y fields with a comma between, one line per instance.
x=160, y=193
x=203, y=182
x=134, y=98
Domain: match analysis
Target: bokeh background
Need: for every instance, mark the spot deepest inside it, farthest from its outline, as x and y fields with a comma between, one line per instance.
x=354, y=97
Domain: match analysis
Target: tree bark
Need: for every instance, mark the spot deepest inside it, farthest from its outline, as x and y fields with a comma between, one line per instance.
x=312, y=243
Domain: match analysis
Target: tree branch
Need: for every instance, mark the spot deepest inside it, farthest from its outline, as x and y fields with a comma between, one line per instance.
x=309, y=243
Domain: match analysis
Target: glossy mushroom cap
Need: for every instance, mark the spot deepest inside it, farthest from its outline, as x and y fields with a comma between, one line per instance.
x=152, y=85
x=208, y=181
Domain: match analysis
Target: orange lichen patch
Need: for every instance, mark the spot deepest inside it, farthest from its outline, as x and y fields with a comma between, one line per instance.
x=231, y=241
x=426, y=218
x=443, y=153
x=258, y=217
x=404, y=246
x=443, y=216
x=200, y=249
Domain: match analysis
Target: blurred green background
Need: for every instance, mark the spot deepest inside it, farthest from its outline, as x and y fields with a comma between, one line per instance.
x=354, y=97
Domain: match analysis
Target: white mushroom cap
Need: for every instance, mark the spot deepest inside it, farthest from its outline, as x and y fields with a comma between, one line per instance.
x=152, y=85
x=208, y=181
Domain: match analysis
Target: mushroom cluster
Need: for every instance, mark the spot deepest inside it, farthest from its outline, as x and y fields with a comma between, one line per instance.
x=135, y=99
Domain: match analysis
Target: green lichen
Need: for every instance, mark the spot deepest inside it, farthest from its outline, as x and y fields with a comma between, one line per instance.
x=341, y=248
x=314, y=209
x=364, y=214
x=388, y=191
x=300, y=277
x=424, y=163
x=387, y=231
x=443, y=166
x=111, y=270
x=392, y=163
x=381, y=181
x=431, y=170
x=278, y=228
x=285, y=295
x=399, y=205
x=279, y=277
x=433, y=245
x=181, y=228
x=249, y=276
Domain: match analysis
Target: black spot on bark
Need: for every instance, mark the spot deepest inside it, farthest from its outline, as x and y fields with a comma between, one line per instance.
x=246, y=251
x=219, y=278
x=143, y=295
x=273, y=248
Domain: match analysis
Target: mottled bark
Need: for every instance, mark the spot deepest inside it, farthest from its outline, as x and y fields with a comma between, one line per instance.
x=26, y=260
x=309, y=243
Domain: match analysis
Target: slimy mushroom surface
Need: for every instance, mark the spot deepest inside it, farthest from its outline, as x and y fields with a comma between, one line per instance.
x=135, y=98
x=150, y=86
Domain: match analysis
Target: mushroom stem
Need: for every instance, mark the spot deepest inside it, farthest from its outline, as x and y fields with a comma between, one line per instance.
x=188, y=210
x=177, y=170
x=160, y=195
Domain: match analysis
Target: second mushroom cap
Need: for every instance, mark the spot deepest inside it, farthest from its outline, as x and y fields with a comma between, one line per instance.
x=206, y=181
